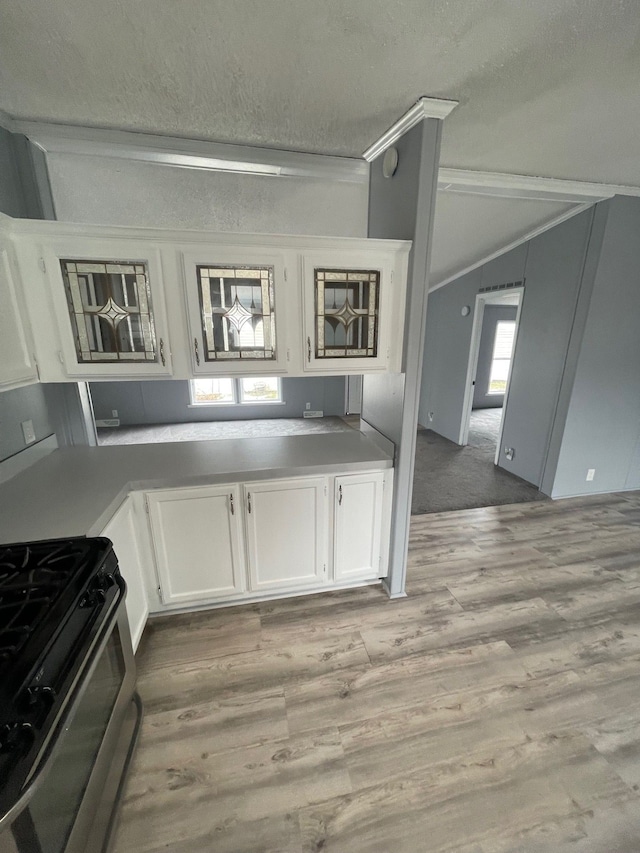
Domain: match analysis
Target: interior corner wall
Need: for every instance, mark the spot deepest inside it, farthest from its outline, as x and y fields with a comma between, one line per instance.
x=602, y=429
x=110, y=191
x=551, y=266
x=446, y=355
x=168, y=401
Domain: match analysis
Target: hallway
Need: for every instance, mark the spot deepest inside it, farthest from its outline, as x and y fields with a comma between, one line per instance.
x=449, y=477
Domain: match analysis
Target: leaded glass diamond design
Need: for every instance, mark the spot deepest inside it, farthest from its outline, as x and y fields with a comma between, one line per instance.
x=346, y=313
x=110, y=310
x=237, y=312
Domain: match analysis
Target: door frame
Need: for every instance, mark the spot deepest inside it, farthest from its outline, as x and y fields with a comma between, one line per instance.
x=482, y=299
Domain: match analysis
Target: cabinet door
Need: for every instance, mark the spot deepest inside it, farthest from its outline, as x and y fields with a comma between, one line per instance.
x=348, y=311
x=109, y=307
x=287, y=533
x=122, y=531
x=358, y=526
x=236, y=306
x=17, y=365
x=196, y=538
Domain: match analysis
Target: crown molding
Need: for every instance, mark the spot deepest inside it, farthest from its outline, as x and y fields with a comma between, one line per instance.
x=423, y=108
x=535, y=232
x=504, y=185
x=190, y=153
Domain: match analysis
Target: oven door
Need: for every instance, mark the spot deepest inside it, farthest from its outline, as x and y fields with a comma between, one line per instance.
x=69, y=803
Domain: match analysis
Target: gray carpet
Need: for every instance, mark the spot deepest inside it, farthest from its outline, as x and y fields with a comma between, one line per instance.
x=449, y=477
x=208, y=430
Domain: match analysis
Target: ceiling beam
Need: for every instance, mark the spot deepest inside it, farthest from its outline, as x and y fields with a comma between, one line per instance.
x=190, y=153
x=527, y=187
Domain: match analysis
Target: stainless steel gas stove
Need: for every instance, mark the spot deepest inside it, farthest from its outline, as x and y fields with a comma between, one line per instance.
x=69, y=713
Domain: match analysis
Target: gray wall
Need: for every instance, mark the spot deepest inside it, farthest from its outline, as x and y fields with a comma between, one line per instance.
x=163, y=402
x=402, y=207
x=493, y=314
x=552, y=266
x=121, y=192
x=17, y=405
x=602, y=429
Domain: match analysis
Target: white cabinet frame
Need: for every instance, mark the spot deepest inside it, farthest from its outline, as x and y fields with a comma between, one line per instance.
x=251, y=256
x=51, y=251
x=287, y=540
x=391, y=301
x=17, y=363
x=199, y=552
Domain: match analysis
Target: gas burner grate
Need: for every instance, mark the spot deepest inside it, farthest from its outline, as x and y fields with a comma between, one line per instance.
x=32, y=578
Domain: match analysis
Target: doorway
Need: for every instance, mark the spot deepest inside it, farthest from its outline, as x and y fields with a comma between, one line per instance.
x=493, y=341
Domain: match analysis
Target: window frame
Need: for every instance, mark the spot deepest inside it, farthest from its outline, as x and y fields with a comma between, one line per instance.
x=238, y=402
x=489, y=392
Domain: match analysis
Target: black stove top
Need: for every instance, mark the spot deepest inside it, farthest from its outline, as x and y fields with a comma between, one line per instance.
x=33, y=577
x=55, y=596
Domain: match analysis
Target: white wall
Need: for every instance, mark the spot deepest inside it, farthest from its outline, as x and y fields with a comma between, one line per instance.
x=109, y=191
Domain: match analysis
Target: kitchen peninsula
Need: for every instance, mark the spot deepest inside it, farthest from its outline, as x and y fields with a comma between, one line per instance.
x=209, y=523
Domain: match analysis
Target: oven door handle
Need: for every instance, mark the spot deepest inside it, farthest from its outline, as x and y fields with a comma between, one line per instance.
x=67, y=713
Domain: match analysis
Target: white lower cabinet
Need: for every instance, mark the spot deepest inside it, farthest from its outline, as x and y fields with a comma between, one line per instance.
x=358, y=512
x=237, y=542
x=197, y=539
x=287, y=535
x=122, y=531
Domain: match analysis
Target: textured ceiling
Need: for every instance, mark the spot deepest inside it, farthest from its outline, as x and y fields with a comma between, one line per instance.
x=549, y=87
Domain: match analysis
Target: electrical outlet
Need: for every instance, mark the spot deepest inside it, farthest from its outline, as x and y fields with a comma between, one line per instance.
x=509, y=452
x=28, y=432
x=308, y=406
x=114, y=413
x=430, y=416
x=591, y=473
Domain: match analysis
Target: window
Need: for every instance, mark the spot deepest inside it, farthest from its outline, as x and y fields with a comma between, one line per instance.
x=501, y=359
x=244, y=391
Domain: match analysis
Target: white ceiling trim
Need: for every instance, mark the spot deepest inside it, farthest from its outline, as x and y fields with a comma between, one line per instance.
x=424, y=108
x=190, y=153
x=527, y=187
x=540, y=229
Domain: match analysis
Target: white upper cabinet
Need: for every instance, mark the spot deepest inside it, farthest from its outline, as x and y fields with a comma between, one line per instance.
x=236, y=299
x=17, y=363
x=353, y=310
x=99, y=310
x=134, y=303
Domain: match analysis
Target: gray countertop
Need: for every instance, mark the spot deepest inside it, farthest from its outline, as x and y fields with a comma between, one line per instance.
x=75, y=491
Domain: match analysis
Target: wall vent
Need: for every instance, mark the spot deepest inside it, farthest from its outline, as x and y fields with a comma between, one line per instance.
x=502, y=286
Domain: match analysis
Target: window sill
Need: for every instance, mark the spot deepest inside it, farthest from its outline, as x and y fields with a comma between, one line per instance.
x=235, y=405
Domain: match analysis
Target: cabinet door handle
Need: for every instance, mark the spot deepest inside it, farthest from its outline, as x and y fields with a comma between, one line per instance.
x=309, y=350
x=340, y=496
x=162, y=359
x=249, y=500
x=195, y=348
x=233, y=512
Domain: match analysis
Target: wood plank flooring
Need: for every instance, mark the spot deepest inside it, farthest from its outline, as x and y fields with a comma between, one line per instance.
x=496, y=709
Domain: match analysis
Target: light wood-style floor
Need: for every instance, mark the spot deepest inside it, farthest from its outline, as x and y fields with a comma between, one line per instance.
x=497, y=708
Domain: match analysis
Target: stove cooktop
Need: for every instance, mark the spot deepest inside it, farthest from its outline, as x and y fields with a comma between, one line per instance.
x=33, y=577
x=54, y=597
